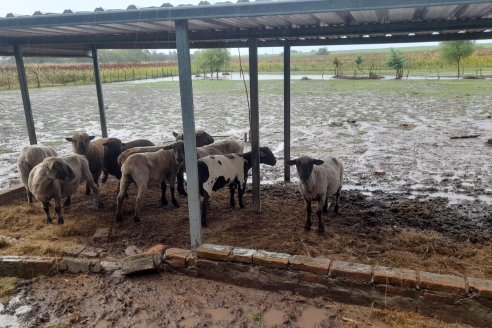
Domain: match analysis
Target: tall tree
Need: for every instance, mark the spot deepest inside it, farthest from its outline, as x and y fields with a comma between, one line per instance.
x=212, y=59
x=396, y=61
x=457, y=51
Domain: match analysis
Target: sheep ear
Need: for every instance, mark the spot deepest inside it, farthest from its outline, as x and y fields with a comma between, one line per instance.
x=90, y=137
x=69, y=139
x=318, y=162
x=175, y=133
x=292, y=162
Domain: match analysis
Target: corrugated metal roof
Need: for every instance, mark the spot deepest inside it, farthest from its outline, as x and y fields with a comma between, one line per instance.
x=305, y=22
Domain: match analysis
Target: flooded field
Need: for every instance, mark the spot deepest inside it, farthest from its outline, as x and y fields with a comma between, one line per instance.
x=413, y=195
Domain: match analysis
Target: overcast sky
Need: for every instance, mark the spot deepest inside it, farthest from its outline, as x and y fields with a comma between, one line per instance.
x=28, y=7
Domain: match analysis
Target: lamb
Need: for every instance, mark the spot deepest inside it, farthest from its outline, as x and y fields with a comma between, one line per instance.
x=319, y=180
x=59, y=177
x=202, y=138
x=29, y=157
x=93, y=151
x=218, y=148
x=150, y=168
x=113, y=147
x=218, y=171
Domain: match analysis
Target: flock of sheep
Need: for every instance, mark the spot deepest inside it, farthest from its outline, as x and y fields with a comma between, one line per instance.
x=46, y=175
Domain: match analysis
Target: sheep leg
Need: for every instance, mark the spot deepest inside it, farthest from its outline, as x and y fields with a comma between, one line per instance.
x=29, y=196
x=104, y=177
x=205, y=203
x=326, y=204
x=67, y=202
x=124, y=183
x=240, y=194
x=58, y=210
x=173, y=196
x=337, y=200
x=87, y=189
x=46, y=209
x=321, y=226
x=163, y=194
x=180, y=178
x=138, y=203
x=231, y=188
x=309, y=210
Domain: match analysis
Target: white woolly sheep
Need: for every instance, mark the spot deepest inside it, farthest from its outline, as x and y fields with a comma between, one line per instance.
x=59, y=177
x=29, y=157
x=319, y=181
x=150, y=168
x=93, y=151
x=218, y=171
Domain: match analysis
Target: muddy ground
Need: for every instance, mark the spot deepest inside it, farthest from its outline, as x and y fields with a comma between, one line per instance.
x=413, y=197
x=169, y=300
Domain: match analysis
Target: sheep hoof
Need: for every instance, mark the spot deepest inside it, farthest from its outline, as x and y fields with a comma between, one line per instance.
x=321, y=231
x=60, y=221
x=204, y=224
x=241, y=205
x=337, y=210
x=175, y=203
x=119, y=218
x=136, y=219
x=48, y=221
x=183, y=193
x=233, y=205
x=307, y=227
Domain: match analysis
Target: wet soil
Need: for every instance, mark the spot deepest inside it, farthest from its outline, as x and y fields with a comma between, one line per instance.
x=169, y=300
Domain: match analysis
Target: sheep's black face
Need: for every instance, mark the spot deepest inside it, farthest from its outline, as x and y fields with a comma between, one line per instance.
x=267, y=157
x=304, y=166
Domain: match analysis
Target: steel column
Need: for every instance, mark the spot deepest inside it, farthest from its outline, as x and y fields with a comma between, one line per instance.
x=21, y=72
x=286, y=112
x=100, y=99
x=188, y=116
x=255, y=122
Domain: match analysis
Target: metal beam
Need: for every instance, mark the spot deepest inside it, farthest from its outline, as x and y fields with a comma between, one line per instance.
x=246, y=9
x=188, y=116
x=299, y=32
x=255, y=122
x=100, y=100
x=286, y=112
x=21, y=72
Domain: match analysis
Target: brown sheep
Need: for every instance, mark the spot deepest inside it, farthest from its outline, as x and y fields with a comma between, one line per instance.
x=92, y=150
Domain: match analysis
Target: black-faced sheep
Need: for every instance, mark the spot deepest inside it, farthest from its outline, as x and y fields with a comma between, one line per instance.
x=218, y=171
x=319, y=181
x=150, y=168
x=29, y=157
x=202, y=138
x=92, y=150
x=113, y=148
x=59, y=177
x=218, y=148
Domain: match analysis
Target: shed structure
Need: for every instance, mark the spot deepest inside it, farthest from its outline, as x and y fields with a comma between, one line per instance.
x=281, y=23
